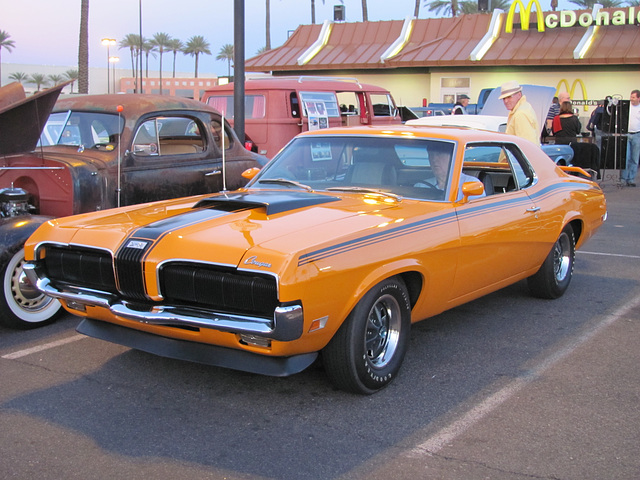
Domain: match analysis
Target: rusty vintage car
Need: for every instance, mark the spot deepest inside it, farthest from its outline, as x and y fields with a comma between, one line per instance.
x=342, y=241
x=98, y=152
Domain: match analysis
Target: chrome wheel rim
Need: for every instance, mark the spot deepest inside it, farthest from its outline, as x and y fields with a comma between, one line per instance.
x=25, y=295
x=561, y=258
x=383, y=331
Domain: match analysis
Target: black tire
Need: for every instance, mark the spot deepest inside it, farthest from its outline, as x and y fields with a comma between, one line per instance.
x=367, y=351
x=554, y=276
x=21, y=305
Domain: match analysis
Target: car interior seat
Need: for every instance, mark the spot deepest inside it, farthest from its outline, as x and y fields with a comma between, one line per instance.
x=371, y=166
x=486, y=179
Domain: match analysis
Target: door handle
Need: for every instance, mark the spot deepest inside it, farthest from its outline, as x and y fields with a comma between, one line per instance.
x=533, y=209
x=214, y=172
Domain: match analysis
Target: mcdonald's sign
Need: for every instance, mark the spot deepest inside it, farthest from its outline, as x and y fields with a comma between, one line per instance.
x=569, y=18
x=572, y=90
x=525, y=13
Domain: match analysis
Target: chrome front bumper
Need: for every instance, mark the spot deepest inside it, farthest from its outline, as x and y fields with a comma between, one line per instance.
x=286, y=325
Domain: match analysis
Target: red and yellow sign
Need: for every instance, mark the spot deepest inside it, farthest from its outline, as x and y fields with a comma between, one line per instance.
x=569, y=18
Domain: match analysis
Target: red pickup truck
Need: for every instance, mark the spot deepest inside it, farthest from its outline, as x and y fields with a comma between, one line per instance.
x=279, y=108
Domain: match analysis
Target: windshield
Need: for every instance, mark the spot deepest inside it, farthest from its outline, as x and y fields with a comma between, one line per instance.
x=407, y=167
x=87, y=129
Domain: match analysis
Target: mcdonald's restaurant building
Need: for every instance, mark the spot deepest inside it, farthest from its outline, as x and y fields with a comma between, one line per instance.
x=590, y=54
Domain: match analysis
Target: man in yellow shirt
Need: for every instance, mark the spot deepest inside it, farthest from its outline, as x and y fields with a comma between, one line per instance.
x=522, y=120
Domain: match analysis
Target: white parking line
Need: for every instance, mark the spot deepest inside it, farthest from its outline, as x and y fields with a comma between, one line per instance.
x=609, y=254
x=449, y=433
x=40, y=348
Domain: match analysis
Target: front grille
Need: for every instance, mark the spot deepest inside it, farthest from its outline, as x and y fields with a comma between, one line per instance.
x=81, y=267
x=216, y=288
x=129, y=263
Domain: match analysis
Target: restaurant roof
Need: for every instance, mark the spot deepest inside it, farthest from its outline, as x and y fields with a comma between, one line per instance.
x=437, y=42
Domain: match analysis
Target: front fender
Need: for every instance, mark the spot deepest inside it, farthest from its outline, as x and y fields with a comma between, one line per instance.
x=14, y=231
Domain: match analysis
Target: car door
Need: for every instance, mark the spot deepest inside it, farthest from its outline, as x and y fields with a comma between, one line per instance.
x=499, y=233
x=170, y=157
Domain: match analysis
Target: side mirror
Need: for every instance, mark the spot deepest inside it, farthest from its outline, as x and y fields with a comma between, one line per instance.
x=472, y=189
x=250, y=173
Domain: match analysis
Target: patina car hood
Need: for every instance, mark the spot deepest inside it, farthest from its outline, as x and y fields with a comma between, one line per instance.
x=224, y=228
x=22, y=118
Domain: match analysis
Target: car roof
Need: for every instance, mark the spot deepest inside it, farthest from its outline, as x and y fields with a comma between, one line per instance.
x=416, y=131
x=346, y=84
x=136, y=104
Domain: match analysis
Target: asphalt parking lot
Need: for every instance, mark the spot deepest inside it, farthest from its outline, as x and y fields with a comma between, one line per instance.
x=506, y=387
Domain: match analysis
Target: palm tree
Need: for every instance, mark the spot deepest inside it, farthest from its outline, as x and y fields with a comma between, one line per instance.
x=71, y=75
x=55, y=79
x=226, y=53
x=267, y=24
x=83, y=48
x=365, y=12
x=38, y=79
x=195, y=46
x=444, y=6
x=7, y=44
x=416, y=10
x=132, y=42
x=147, y=49
x=175, y=46
x=160, y=43
x=18, y=76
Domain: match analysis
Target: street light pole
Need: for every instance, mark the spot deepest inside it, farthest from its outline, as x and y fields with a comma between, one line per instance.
x=108, y=42
x=114, y=60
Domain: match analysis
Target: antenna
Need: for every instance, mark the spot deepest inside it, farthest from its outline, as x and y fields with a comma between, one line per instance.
x=118, y=189
x=224, y=165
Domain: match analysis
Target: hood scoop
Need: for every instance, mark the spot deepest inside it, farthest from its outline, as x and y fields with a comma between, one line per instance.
x=272, y=202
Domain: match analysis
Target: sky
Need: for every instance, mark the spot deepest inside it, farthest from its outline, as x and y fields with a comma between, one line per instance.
x=46, y=33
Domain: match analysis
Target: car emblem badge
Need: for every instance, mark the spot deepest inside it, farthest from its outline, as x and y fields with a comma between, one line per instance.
x=254, y=261
x=140, y=245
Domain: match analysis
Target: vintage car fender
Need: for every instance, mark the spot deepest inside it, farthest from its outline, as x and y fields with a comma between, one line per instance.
x=20, y=305
x=405, y=267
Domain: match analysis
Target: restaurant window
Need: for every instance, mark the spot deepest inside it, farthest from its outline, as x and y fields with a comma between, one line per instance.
x=452, y=87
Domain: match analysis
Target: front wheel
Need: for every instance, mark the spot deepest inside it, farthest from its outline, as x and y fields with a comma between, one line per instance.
x=367, y=351
x=21, y=304
x=554, y=276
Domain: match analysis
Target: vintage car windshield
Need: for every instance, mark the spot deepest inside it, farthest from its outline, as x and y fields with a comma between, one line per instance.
x=409, y=167
x=87, y=129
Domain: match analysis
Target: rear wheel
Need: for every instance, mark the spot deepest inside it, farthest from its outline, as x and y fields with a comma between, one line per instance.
x=21, y=304
x=367, y=351
x=554, y=276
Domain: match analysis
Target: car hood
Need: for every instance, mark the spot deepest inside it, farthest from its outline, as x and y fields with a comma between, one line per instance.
x=22, y=118
x=245, y=228
x=539, y=96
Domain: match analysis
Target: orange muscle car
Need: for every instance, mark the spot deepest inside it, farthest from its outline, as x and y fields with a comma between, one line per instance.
x=335, y=247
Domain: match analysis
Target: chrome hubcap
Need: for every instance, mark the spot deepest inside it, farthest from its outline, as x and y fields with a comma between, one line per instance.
x=383, y=331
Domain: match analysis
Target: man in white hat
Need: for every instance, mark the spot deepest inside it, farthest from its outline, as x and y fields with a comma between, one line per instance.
x=522, y=120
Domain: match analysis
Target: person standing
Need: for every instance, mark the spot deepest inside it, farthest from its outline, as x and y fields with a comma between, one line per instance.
x=522, y=120
x=630, y=171
x=460, y=108
x=566, y=125
x=554, y=110
x=595, y=124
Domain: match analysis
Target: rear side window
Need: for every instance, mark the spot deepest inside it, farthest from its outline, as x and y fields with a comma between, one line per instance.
x=327, y=98
x=169, y=136
x=254, y=105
